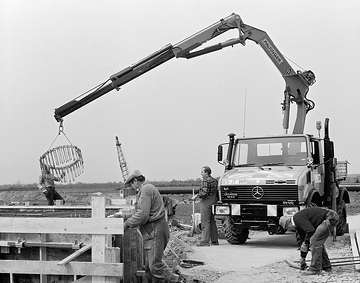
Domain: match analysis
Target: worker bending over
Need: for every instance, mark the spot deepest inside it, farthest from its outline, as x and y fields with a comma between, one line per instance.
x=150, y=217
x=313, y=226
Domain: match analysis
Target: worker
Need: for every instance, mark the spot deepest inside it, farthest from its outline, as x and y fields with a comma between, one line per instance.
x=149, y=216
x=313, y=226
x=47, y=184
x=208, y=194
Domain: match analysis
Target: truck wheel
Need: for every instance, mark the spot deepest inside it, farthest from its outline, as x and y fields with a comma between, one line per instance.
x=341, y=211
x=232, y=235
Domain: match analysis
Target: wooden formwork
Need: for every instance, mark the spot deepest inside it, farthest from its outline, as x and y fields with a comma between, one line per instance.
x=108, y=262
x=355, y=246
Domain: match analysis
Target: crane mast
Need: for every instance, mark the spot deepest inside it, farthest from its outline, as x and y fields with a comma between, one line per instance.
x=123, y=165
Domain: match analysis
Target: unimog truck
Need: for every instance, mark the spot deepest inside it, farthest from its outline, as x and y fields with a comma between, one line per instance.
x=268, y=177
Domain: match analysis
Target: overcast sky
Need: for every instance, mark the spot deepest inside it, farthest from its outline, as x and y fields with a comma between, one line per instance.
x=170, y=120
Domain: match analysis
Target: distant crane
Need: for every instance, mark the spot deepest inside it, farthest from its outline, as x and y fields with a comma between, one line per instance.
x=122, y=161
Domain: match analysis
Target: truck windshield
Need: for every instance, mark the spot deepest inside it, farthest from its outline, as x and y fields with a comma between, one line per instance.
x=282, y=151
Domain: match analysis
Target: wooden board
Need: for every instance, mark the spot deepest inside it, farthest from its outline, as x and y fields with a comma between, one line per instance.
x=355, y=241
x=62, y=225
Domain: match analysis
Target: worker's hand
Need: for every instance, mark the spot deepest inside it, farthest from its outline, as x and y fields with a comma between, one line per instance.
x=302, y=263
x=62, y=174
x=193, y=197
x=327, y=221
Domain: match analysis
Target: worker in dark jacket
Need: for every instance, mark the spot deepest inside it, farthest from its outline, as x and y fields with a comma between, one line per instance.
x=47, y=184
x=149, y=216
x=208, y=194
x=313, y=226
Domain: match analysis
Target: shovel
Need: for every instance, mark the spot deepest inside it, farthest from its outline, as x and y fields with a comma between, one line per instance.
x=193, y=216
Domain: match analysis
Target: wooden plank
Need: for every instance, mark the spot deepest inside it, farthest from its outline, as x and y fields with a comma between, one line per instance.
x=52, y=267
x=43, y=257
x=355, y=241
x=62, y=225
x=357, y=237
x=74, y=255
x=62, y=207
x=133, y=254
x=112, y=254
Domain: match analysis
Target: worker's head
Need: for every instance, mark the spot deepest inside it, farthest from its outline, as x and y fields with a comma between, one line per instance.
x=45, y=168
x=285, y=222
x=135, y=180
x=205, y=171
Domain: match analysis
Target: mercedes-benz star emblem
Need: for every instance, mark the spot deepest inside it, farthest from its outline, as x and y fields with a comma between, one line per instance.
x=257, y=192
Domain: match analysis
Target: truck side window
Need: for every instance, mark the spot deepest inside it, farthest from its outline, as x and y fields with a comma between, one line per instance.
x=316, y=152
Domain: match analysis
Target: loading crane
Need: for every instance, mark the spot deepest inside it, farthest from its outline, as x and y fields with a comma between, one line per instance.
x=297, y=83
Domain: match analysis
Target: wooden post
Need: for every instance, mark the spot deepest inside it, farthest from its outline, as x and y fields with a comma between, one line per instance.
x=98, y=241
x=133, y=256
x=43, y=257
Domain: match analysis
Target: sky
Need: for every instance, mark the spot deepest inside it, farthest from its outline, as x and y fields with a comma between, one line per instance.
x=170, y=120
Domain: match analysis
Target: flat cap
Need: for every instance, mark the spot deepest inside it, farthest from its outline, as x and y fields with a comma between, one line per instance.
x=133, y=175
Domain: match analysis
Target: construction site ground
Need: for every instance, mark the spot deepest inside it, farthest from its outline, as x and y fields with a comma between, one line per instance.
x=260, y=259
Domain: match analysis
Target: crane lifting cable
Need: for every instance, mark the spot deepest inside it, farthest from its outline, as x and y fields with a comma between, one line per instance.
x=63, y=159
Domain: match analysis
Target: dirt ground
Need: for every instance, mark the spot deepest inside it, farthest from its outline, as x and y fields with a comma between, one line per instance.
x=219, y=270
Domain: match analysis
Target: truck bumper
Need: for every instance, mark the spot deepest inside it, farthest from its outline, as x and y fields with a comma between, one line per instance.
x=253, y=216
x=246, y=210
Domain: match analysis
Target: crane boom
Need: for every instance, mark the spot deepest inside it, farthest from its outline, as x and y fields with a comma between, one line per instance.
x=297, y=83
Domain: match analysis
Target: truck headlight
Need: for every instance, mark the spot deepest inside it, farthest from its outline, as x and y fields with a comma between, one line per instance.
x=222, y=210
x=290, y=211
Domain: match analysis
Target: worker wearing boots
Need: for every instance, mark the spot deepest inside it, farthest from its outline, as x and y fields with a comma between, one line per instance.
x=208, y=194
x=149, y=216
x=47, y=185
x=313, y=226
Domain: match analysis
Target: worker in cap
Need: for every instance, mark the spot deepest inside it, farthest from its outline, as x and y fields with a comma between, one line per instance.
x=313, y=225
x=149, y=216
x=286, y=222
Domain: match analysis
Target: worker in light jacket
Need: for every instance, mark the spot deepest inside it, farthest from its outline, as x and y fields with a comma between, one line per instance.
x=149, y=216
x=313, y=226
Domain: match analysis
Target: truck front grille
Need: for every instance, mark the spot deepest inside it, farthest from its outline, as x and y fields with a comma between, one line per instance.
x=259, y=194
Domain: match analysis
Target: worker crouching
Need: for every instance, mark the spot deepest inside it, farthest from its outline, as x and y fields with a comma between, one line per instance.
x=313, y=226
x=149, y=216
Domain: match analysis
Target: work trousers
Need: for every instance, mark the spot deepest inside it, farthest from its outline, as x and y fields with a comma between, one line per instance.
x=320, y=259
x=208, y=224
x=51, y=195
x=156, y=236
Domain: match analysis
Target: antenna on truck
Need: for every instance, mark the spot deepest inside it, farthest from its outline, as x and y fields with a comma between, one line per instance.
x=244, y=114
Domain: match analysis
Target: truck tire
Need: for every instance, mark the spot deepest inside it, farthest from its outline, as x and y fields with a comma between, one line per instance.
x=341, y=211
x=231, y=234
